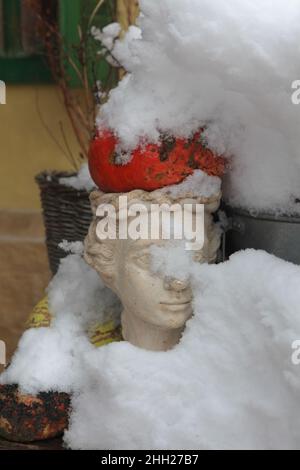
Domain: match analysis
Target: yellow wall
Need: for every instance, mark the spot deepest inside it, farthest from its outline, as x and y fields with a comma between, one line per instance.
x=25, y=145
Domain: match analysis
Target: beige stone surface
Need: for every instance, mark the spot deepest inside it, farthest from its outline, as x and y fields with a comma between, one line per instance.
x=24, y=272
x=155, y=307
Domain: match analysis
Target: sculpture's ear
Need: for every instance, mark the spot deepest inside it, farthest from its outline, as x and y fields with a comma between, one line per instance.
x=96, y=198
x=101, y=256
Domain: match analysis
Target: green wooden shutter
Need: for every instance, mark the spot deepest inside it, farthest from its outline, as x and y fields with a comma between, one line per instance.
x=17, y=66
x=11, y=21
x=75, y=12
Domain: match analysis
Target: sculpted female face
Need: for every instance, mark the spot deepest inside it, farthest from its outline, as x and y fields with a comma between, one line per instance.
x=125, y=266
x=162, y=302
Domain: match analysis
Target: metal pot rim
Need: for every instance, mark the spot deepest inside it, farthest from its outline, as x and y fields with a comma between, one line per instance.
x=284, y=218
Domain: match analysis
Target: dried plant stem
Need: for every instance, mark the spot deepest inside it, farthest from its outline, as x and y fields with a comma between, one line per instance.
x=94, y=13
x=127, y=12
x=79, y=61
x=49, y=131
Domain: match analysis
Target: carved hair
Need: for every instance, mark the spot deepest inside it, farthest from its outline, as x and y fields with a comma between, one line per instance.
x=160, y=196
x=100, y=253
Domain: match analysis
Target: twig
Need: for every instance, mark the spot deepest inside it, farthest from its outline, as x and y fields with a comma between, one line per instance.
x=46, y=127
x=94, y=13
x=72, y=159
x=63, y=58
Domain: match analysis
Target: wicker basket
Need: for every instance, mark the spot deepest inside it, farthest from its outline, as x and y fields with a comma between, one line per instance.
x=67, y=214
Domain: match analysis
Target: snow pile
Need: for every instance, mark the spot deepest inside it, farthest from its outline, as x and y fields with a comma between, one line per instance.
x=197, y=185
x=75, y=248
x=108, y=35
x=229, y=384
x=228, y=65
x=175, y=259
x=50, y=358
x=82, y=181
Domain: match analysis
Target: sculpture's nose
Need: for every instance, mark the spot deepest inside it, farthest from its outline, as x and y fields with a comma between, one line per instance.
x=170, y=283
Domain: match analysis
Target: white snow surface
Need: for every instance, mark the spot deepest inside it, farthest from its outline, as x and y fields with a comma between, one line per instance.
x=229, y=384
x=50, y=358
x=108, y=35
x=197, y=185
x=228, y=65
x=82, y=181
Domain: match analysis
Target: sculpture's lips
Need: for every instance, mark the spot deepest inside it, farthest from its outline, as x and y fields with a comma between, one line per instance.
x=176, y=306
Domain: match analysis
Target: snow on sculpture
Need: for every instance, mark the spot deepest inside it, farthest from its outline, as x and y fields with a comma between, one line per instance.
x=156, y=308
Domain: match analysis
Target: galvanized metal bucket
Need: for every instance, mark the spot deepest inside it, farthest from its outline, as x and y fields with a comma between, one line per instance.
x=278, y=235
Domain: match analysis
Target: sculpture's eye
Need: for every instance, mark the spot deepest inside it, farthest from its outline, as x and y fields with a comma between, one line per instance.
x=143, y=260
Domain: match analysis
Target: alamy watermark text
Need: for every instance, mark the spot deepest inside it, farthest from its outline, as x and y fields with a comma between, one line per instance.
x=141, y=221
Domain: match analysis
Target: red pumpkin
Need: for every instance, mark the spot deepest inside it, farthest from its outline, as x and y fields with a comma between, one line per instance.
x=151, y=167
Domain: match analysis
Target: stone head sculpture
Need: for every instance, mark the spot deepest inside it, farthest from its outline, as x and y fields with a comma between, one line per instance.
x=156, y=308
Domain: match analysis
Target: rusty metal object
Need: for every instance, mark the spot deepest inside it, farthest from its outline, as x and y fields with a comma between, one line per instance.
x=25, y=418
x=51, y=444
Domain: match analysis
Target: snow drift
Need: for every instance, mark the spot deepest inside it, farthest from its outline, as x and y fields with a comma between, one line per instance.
x=228, y=65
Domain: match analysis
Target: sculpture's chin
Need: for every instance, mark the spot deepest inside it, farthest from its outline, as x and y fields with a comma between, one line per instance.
x=173, y=321
x=176, y=312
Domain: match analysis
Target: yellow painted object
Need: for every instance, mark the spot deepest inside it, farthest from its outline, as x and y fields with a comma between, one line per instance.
x=99, y=334
x=127, y=12
x=40, y=316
